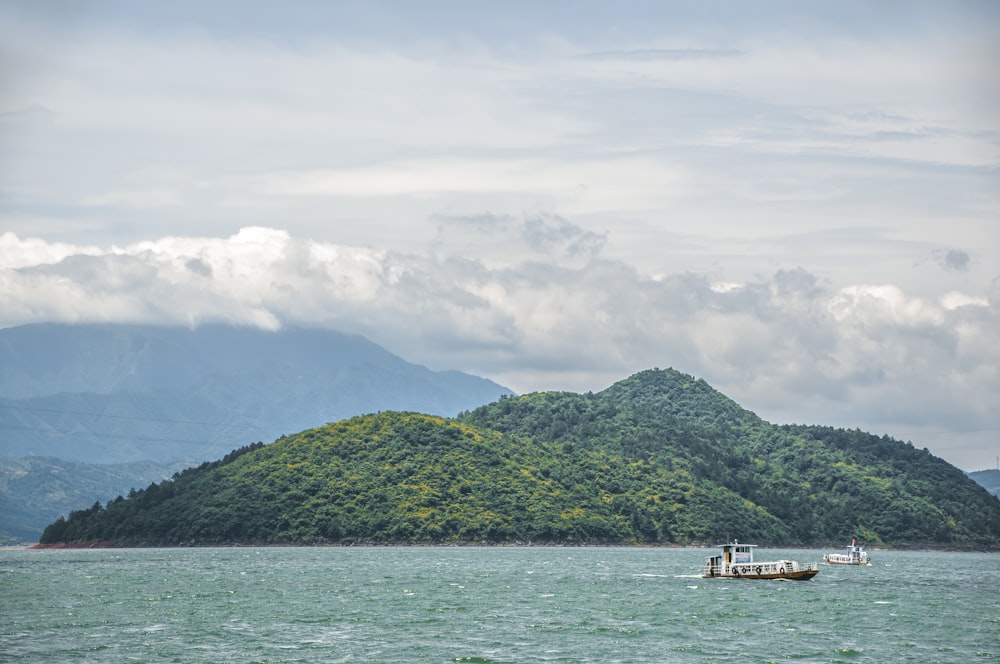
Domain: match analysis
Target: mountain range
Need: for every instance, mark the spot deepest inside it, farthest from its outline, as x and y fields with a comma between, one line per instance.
x=124, y=393
x=91, y=411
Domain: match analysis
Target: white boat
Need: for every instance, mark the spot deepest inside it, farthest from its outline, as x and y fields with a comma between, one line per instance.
x=736, y=562
x=856, y=555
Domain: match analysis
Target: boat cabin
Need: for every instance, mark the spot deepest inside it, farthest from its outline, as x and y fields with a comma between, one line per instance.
x=732, y=554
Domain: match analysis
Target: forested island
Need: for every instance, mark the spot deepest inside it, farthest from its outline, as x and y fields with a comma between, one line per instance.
x=659, y=458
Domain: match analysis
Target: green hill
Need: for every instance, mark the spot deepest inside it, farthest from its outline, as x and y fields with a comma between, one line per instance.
x=822, y=484
x=658, y=458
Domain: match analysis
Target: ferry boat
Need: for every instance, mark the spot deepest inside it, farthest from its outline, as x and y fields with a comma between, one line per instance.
x=856, y=555
x=736, y=562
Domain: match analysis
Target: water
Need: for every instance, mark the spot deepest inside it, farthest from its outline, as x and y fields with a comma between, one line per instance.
x=425, y=604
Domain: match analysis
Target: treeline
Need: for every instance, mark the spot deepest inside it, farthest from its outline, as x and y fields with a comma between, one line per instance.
x=658, y=458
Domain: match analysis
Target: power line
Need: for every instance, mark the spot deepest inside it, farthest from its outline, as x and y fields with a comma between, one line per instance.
x=65, y=432
x=941, y=433
x=68, y=432
x=204, y=443
x=137, y=417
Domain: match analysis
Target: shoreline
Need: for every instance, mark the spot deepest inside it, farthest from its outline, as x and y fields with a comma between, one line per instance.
x=107, y=544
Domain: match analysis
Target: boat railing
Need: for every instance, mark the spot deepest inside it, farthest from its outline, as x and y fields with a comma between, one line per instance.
x=757, y=569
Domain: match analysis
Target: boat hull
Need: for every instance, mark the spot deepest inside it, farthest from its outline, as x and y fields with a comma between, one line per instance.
x=803, y=575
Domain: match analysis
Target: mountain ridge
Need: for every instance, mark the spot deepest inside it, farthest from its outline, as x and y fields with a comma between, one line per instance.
x=119, y=393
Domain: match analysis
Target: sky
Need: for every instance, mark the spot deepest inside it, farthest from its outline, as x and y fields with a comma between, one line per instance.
x=798, y=202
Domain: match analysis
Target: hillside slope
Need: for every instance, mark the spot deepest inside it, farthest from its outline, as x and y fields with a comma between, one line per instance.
x=658, y=458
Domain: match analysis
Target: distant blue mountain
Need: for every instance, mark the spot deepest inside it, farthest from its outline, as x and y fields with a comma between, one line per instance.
x=126, y=393
x=34, y=491
x=988, y=479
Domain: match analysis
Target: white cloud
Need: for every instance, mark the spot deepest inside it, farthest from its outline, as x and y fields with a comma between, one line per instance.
x=954, y=300
x=884, y=304
x=16, y=253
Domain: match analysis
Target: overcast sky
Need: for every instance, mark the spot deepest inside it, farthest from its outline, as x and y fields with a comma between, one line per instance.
x=798, y=202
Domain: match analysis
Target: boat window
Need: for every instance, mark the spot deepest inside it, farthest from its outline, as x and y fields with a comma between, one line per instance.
x=742, y=555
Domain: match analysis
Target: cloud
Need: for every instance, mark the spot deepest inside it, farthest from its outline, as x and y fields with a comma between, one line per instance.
x=547, y=236
x=673, y=54
x=778, y=342
x=956, y=260
x=218, y=120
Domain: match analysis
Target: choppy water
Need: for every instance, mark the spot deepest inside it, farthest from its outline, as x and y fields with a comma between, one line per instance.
x=487, y=605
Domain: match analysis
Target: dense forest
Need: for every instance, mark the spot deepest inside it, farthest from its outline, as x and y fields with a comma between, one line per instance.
x=659, y=458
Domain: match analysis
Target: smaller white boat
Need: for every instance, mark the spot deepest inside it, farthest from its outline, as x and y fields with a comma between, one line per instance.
x=856, y=555
x=736, y=562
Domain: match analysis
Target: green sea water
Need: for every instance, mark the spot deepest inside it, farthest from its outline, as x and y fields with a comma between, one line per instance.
x=504, y=604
